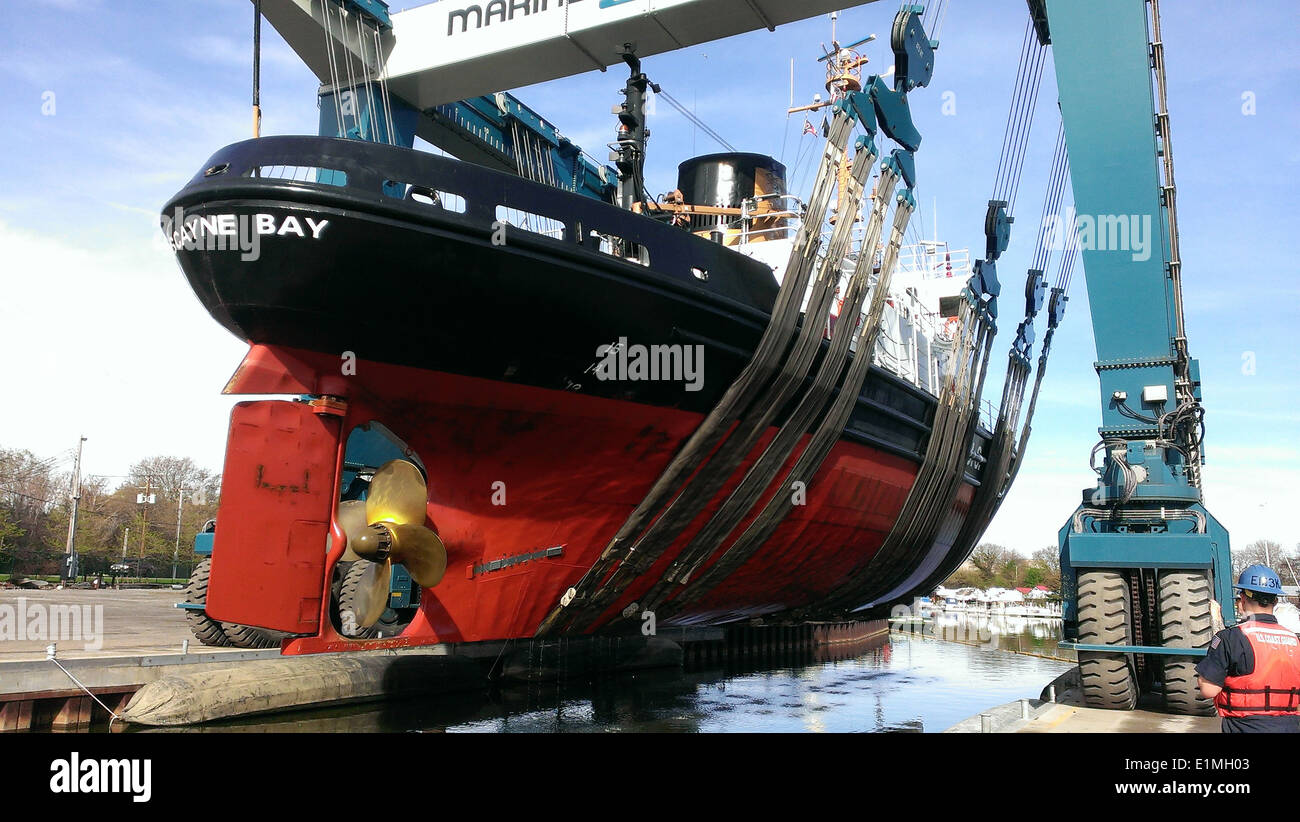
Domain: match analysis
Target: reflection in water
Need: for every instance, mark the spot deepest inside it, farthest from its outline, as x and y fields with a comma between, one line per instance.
x=1028, y=635
x=912, y=683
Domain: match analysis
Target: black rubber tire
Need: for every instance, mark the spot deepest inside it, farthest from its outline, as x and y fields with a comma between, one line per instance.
x=206, y=629
x=1185, y=621
x=352, y=577
x=246, y=636
x=394, y=622
x=1109, y=680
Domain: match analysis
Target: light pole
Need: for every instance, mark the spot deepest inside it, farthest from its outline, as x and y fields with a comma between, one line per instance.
x=70, y=573
x=146, y=499
x=180, y=502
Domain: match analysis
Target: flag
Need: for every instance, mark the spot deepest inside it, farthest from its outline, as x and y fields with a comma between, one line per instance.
x=808, y=128
x=826, y=127
x=947, y=262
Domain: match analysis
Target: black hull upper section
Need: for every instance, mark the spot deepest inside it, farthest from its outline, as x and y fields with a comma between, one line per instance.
x=398, y=279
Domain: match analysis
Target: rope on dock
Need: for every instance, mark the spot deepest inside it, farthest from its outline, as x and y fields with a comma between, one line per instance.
x=49, y=654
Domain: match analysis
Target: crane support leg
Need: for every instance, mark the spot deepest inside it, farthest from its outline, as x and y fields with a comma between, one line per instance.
x=1145, y=519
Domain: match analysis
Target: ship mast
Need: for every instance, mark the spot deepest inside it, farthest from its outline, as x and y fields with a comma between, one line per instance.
x=843, y=76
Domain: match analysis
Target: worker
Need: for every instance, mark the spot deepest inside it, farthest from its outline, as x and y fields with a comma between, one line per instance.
x=1252, y=669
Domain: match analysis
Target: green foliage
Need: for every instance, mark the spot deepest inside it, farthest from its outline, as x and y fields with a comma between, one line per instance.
x=35, y=507
x=993, y=566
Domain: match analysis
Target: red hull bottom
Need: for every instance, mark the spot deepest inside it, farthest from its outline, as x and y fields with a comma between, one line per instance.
x=514, y=470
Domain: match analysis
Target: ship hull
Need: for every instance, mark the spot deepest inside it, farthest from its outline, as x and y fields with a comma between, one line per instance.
x=483, y=356
x=517, y=471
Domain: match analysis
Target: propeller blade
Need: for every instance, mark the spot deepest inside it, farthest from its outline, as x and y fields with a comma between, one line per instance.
x=352, y=519
x=397, y=494
x=420, y=551
x=371, y=596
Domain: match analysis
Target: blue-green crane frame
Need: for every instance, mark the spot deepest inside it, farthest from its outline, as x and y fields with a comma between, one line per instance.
x=1103, y=58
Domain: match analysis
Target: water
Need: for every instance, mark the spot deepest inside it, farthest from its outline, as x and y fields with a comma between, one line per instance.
x=1028, y=635
x=911, y=683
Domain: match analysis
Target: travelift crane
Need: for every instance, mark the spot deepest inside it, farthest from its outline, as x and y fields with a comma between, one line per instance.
x=628, y=497
x=1141, y=557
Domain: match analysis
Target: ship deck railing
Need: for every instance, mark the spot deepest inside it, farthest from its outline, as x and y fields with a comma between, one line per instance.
x=906, y=344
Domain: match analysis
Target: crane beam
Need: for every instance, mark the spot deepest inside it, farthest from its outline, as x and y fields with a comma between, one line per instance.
x=1110, y=129
x=455, y=49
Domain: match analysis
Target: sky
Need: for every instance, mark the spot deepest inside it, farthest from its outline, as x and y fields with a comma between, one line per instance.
x=111, y=106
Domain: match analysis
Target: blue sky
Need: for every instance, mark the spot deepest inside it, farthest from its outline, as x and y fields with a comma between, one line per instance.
x=106, y=339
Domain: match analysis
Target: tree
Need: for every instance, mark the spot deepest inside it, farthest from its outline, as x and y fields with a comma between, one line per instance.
x=1009, y=572
x=10, y=532
x=1260, y=552
x=987, y=559
x=965, y=577
x=1049, y=561
x=35, y=505
x=30, y=489
x=167, y=475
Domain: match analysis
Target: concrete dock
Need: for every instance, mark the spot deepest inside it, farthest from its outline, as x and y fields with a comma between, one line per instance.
x=130, y=621
x=118, y=641
x=1068, y=715
x=1073, y=719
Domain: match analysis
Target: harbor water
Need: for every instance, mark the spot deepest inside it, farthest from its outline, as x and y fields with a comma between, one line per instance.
x=916, y=681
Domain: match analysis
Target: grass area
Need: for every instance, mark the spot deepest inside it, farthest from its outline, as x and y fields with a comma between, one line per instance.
x=54, y=579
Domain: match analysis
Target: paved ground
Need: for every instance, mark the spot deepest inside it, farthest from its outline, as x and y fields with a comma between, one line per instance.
x=1072, y=719
x=126, y=622
x=1065, y=718
x=1069, y=716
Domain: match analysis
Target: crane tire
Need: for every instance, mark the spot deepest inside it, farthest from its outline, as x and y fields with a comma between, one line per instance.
x=206, y=629
x=1185, y=622
x=247, y=636
x=1109, y=680
x=352, y=577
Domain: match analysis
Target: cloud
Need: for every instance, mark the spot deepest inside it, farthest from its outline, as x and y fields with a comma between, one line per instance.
x=111, y=343
x=72, y=5
x=212, y=48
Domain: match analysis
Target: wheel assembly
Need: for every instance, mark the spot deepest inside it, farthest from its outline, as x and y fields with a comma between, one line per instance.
x=1185, y=622
x=206, y=629
x=351, y=589
x=246, y=636
x=1109, y=680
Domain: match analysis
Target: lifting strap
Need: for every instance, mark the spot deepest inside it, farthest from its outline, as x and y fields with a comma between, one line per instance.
x=1006, y=450
x=722, y=465
x=925, y=509
x=741, y=501
x=740, y=397
x=830, y=429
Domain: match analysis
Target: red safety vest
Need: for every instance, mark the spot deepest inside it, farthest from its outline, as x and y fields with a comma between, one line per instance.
x=1273, y=688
